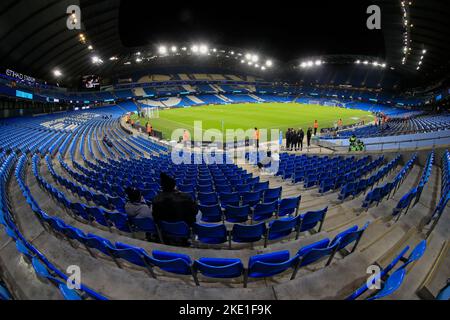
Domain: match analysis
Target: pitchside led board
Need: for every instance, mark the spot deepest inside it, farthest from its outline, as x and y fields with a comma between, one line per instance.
x=90, y=83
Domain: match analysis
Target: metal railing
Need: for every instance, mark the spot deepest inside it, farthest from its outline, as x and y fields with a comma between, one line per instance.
x=391, y=145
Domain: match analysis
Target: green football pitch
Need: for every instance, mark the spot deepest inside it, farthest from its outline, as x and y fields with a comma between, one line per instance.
x=248, y=116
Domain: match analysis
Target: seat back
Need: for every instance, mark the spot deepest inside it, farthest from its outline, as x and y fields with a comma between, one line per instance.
x=210, y=234
x=264, y=211
x=248, y=233
x=178, y=230
x=289, y=206
x=237, y=214
x=270, y=264
x=219, y=268
x=171, y=262
x=212, y=213
x=282, y=227
x=391, y=284
x=310, y=219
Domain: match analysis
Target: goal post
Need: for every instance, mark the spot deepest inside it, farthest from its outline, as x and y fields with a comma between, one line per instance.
x=150, y=112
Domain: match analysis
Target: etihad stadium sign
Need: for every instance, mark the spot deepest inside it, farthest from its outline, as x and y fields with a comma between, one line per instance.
x=19, y=76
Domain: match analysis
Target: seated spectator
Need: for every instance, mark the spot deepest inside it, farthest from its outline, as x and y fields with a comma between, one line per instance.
x=172, y=205
x=135, y=207
x=107, y=141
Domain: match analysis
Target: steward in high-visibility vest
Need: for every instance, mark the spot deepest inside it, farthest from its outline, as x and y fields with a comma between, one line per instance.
x=316, y=127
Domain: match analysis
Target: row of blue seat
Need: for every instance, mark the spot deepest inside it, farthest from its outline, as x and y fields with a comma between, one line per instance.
x=379, y=193
x=415, y=192
x=355, y=188
x=41, y=265
x=391, y=281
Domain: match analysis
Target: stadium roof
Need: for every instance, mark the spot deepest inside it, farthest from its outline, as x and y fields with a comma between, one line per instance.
x=35, y=40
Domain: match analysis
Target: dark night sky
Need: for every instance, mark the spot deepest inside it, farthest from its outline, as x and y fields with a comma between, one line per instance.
x=283, y=29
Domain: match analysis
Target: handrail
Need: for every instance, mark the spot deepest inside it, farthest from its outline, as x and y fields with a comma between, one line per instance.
x=434, y=140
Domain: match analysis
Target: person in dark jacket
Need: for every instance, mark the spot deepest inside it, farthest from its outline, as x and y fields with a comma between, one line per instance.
x=301, y=138
x=172, y=205
x=288, y=139
x=309, y=136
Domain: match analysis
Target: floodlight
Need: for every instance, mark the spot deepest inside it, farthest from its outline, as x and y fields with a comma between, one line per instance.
x=242, y=61
x=96, y=60
x=184, y=48
x=203, y=49
x=194, y=48
x=90, y=47
x=248, y=56
x=424, y=51
x=303, y=65
x=138, y=60
x=310, y=64
x=256, y=65
x=250, y=63
x=318, y=62
x=366, y=62
x=358, y=61
x=57, y=73
x=173, y=49
x=255, y=58
x=269, y=63
x=162, y=50
x=263, y=68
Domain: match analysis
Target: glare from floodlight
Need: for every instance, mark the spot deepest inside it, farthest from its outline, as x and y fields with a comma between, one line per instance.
x=194, y=48
x=96, y=60
x=242, y=61
x=184, y=48
x=358, y=61
x=424, y=51
x=203, y=49
x=162, y=50
x=90, y=47
x=173, y=49
x=256, y=65
x=310, y=64
x=263, y=68
x=57, y=73
x=138, y=60
x=248, y=56
x=303, y=65
x=250, y=63
x=375, y=64
x=269, y=63
x=318, y=62
x=255, y=58
x=383, y=65
x=366, y=62
x=232, y=52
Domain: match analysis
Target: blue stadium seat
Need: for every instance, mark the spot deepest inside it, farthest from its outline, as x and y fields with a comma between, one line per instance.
x=210, y=234
x=268, y=265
